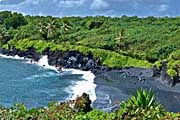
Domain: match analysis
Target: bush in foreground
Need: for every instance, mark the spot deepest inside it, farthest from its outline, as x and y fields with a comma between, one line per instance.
x=143, y=106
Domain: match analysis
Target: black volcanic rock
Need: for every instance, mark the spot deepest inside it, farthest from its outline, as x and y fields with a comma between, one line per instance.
x=83, y=103
x=71, y=59
x=164, y=77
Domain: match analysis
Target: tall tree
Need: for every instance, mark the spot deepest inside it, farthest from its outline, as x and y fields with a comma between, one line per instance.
x=120, y=39
x=42, y=30
x=4, y=36
x=66, y=26
x=51, y=29
x=15, y=21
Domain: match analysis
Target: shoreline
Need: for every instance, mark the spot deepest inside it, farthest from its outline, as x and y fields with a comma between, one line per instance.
x=113, y=85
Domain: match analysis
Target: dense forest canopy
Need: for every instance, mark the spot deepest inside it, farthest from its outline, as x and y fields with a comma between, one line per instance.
x=130, y=38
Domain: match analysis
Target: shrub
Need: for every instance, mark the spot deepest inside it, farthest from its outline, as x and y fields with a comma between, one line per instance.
x=143, y=106
x=97, y=115
x=158, y=64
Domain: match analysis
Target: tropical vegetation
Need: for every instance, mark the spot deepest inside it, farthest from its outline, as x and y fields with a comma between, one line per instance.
x=117, y=41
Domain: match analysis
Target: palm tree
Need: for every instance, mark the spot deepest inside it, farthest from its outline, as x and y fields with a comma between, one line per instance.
x=65, y=26
x=121, y=38
x=51, y=29
x=47, y=30
x=42, y=30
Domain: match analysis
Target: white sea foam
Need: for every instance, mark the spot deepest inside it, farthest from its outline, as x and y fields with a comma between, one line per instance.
x=12, y=57
x=44, y=63
x=86, y=85
x=78, y=88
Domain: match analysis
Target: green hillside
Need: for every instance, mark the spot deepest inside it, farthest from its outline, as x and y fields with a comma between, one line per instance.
x=118, y=41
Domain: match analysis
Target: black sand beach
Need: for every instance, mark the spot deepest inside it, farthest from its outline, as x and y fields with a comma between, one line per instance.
x=115, y=86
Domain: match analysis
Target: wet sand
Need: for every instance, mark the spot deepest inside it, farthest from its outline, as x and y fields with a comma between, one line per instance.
x=116, y=86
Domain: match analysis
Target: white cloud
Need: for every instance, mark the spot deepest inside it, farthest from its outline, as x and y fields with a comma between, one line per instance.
x=99, y=4
x=34, y=2
x=71, y=3
x=92, y=7
x=163, y=8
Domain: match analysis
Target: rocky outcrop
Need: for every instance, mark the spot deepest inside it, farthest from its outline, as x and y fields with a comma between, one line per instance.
x=162, y=74
x=80, y=104
x=83, y=103
x=71, y=59
x=156, y=71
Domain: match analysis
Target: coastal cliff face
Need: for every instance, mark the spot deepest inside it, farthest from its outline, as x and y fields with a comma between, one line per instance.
x=70, y=59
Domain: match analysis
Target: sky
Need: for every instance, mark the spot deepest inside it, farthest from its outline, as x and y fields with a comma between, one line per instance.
x=60, y=8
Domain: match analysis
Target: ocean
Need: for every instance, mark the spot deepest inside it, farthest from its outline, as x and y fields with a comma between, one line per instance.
x=36, y=84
